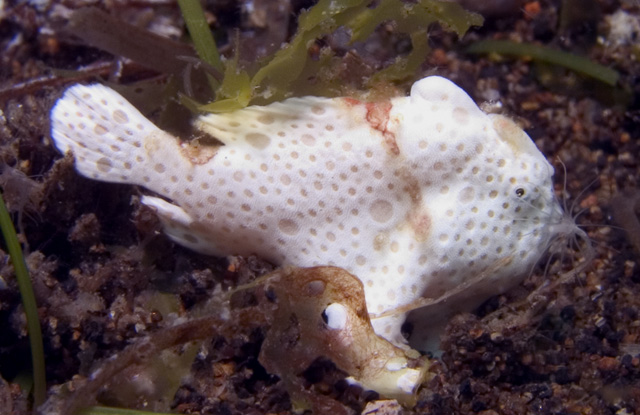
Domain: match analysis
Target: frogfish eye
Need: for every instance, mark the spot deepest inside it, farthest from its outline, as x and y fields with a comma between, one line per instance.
x=520, y=192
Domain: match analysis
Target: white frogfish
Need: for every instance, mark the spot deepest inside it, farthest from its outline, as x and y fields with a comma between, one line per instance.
x=417, y=196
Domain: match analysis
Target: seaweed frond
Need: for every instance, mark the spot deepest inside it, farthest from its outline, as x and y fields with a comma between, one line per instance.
x=201, y=35
x=287, y=72
x=29, y=304
x=567, y=60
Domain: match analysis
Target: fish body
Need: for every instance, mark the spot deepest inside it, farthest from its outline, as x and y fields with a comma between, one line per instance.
x=414, y=195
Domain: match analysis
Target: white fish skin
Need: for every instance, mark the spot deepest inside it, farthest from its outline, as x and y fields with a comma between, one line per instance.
x=415, y=195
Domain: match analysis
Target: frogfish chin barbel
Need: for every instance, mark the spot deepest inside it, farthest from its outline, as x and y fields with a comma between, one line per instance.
x=414, y=195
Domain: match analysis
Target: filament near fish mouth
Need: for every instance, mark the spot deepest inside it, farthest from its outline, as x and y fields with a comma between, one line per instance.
x=567, y=238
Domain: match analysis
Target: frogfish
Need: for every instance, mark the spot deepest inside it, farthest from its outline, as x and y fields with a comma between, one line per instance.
x=421, y=197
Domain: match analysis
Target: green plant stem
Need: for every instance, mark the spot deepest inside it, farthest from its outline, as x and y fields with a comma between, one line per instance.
x=29, y=304
x=201, y=36
x=576, y=63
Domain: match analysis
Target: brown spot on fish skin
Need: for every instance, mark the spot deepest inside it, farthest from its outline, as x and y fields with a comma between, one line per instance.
x=419, y=218
x=378, y=119
x=380, y=241
x=288, y=226
x=120, y=117
x=198, y=153
x=377, y=115
x=381, y=210
x=421, y=225
x=100, y=129
x=258, y=140
x=266, y=119
x=104, y=165
x=352, y=102
x=411, y=185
